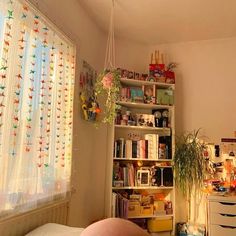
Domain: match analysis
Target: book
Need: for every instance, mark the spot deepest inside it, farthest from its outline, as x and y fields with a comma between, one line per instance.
x=128, y=148
x=134, y=149
x=152, y=148
x=136, y=94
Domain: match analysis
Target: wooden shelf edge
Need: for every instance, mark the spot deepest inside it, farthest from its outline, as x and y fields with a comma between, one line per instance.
x=139, y=159
x=144, y=82
x=151, y=216
x=146, y=187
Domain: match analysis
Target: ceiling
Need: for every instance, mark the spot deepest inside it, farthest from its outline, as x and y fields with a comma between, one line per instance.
x=166, y=21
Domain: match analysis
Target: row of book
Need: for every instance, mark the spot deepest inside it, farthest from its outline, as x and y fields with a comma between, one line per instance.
x=124, y=175
x=147, y=148
x=119, y=206
x=127, y=175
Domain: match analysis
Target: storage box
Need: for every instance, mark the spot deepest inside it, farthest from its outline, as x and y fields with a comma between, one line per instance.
x=159, y=207
x=165, y=96
x=146, y=210
x=133, y=209
x=160, y=224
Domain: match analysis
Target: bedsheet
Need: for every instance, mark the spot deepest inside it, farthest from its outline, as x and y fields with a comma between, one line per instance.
x=52, y=229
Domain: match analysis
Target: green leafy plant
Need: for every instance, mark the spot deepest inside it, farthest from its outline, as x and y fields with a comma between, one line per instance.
x=108, y=85
x=189, y=164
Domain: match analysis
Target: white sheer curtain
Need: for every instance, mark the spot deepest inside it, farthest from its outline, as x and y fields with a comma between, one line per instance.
x=36, y=97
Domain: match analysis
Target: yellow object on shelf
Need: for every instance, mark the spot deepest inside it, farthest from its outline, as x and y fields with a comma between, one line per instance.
x=146, y=210
x=159, y=207
x=160, y=224
x=134, y=210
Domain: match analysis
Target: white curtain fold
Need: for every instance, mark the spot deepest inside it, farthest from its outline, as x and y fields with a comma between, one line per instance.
x=36, y=96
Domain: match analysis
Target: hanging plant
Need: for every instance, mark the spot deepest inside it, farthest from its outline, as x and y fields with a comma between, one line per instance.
x=108, y=85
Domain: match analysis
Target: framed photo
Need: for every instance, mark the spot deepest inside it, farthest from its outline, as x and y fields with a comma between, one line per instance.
x=149, y=94
x=145, y=120
x=143, y=177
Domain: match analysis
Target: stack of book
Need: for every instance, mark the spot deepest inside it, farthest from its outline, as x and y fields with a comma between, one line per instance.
x=119, y=206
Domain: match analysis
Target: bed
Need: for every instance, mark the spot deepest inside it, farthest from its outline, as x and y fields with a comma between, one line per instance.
x=52, y=229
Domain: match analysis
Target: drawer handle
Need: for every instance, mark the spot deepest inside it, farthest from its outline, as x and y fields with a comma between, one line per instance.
x=229, y=215
x=229, y=227
x=227, y=203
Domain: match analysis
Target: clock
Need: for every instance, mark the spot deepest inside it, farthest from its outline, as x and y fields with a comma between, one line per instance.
x=165, y=113
x=157, y=114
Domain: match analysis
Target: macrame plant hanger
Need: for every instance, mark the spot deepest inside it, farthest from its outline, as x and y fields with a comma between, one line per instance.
x=108, y=82
x=110, y=49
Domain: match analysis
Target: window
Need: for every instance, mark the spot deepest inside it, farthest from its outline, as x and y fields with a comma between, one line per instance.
x=36, y=98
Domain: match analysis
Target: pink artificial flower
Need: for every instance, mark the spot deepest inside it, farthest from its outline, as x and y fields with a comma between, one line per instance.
x=107, y=81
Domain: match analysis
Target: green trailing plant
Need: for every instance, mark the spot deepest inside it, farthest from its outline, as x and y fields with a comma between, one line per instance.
x=108, y=85
x=189, y=164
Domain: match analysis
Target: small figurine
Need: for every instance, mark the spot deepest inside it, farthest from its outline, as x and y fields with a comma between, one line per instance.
x=84, y=106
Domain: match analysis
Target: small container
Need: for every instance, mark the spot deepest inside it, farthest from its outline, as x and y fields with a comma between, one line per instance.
x=125, y=117
x=162, y=151
x=217, y=150
x=123, y=122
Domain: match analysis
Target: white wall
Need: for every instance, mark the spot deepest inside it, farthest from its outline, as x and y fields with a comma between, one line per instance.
x=205, y=86
x=131, y=55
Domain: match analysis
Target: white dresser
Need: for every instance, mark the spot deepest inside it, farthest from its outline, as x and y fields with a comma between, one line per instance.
x=222, y=215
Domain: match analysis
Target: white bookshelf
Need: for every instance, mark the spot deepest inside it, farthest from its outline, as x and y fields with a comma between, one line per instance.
x=122, y=131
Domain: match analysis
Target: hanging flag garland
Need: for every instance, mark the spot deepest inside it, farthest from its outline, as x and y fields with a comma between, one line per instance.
x=40, y=106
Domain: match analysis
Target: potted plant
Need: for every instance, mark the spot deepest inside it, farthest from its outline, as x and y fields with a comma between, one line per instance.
x=189, y=166
x=108, y=86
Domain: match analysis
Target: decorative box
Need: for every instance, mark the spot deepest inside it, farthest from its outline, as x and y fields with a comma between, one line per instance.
x=165, y=96
x=133, y=209
x=146, y=210
x=159, y=207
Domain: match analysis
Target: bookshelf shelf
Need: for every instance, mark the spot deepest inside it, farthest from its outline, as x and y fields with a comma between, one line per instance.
x=146, y=128
x=146, y=187
x=141, y=159
x=134, y=82
x=143, y=105
x=150, y=216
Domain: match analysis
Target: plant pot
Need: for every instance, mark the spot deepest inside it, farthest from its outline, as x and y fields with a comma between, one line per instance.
x=190, y=229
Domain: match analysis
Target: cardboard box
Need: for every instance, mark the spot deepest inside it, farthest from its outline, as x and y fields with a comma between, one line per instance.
x=160, y=224
x=146, y=210
x=165, y=96
x=159, y=207
x=133, y=209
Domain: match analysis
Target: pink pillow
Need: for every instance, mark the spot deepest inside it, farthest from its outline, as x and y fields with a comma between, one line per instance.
x=114, y=227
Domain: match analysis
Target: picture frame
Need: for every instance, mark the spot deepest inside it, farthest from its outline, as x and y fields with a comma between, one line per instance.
x=146, y=120
x=149, y=94
x=143, y=177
